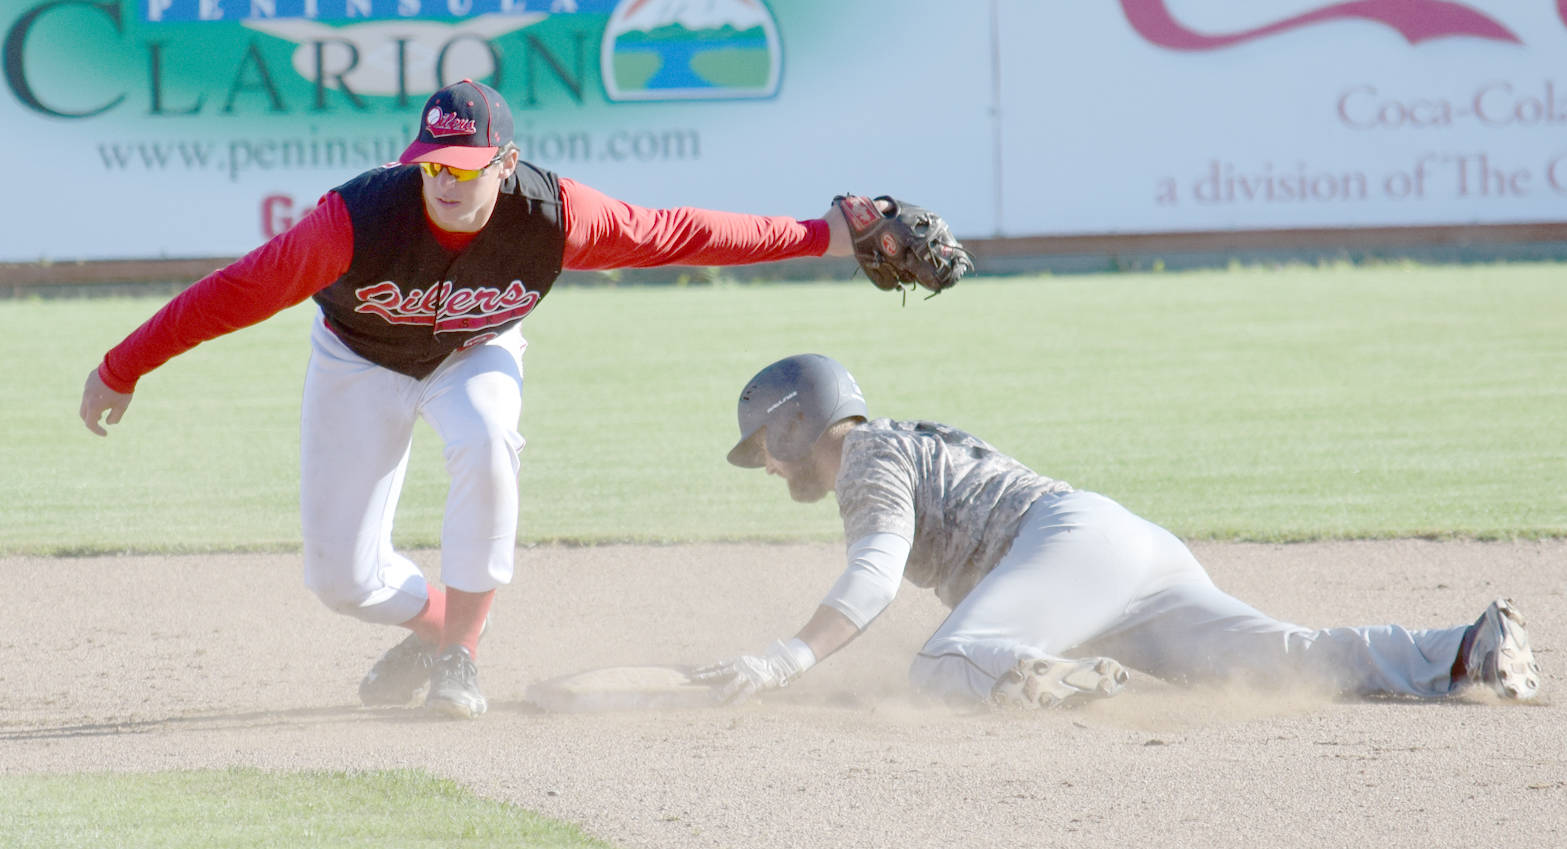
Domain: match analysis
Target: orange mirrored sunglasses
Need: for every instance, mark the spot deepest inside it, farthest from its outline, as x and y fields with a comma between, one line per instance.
x=461, y=175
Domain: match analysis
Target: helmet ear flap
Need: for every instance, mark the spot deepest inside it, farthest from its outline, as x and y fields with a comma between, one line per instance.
x=786, y=436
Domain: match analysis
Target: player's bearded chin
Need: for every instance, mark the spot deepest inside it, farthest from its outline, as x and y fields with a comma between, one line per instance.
x=807, y=486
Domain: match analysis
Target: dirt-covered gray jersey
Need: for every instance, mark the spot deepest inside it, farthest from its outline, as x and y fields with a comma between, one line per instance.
x=958, y=499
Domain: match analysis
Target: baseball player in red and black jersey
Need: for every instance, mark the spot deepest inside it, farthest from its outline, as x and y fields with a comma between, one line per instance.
x=422, y=271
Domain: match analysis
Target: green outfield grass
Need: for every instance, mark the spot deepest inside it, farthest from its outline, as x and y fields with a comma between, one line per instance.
x=1288, y=404
x=250, y=809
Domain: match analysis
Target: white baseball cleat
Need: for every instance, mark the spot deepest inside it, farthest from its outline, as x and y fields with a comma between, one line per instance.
x=1048, y=682
x=1499, y=654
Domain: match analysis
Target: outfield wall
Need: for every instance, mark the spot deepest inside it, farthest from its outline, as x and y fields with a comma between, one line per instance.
x=155, y=129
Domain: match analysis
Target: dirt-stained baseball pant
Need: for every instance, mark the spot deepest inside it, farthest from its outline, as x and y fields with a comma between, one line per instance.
x=1086, y=577
x=356, y=427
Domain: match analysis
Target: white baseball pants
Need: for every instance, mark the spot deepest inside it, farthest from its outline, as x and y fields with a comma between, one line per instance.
x=356, y=427
x=1085, y=577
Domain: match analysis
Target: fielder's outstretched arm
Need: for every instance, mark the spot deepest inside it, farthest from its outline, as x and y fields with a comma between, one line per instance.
x=603, y=232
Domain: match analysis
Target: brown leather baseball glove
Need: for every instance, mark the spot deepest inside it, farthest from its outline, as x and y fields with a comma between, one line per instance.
x=900, y=245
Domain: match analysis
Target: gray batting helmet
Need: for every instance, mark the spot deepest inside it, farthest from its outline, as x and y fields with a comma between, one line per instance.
x=791, y=403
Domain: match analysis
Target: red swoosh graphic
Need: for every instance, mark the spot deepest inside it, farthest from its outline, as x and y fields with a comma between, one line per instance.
x=1415, y=20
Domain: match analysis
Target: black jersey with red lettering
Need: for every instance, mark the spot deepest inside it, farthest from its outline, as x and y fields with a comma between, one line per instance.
x=406, y=302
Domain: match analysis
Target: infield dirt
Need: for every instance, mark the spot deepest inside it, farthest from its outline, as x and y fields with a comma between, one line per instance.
x=154, y=663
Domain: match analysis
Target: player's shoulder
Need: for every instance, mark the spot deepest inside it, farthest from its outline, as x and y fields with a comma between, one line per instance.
x=532, y=184
x=915, y=429
x=873, y=437
x=879, y=430
x=378, y=178
x=901, y=438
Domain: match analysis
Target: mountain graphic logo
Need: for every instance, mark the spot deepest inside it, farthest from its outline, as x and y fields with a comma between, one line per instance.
x=691, y=50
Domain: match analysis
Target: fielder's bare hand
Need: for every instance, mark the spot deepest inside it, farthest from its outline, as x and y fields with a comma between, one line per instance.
x=97, y=399
x=840, y=241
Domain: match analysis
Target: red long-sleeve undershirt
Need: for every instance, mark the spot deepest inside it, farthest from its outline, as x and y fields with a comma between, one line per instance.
x=601, y=232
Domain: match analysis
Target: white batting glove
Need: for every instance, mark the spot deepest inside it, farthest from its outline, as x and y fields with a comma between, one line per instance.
x=740, y=678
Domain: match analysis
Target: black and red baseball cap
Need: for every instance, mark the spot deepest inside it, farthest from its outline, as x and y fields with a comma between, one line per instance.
x=463, y=125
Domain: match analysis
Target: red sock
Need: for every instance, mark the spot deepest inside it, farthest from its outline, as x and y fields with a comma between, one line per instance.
x=431, y=621
x=465, y=615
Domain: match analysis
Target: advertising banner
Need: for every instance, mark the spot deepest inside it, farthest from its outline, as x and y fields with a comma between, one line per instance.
x=178, y=128
x=196, y=128
x=1203, y=115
